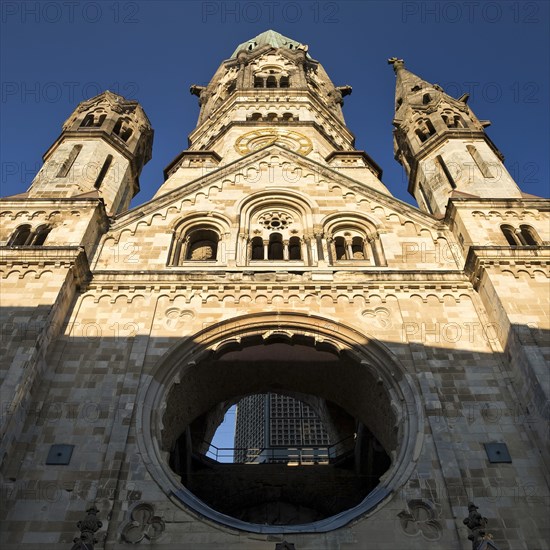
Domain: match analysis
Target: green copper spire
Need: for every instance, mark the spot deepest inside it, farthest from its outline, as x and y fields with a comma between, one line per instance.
x=271, y=38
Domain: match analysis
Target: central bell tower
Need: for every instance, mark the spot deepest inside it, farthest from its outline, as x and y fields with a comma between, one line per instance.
x=269, y=91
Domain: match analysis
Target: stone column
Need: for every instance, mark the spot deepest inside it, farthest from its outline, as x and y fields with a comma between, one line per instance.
x=313, y=247
x=318, y=248
x=303, y=251
x=184, y=249
x=324, y=248
x=332, y=250
x=519, y=237
x=285, y=250
x=219, y=250
x=246, y=247
x=266, y=249
x=349, y=249
x=366, y=247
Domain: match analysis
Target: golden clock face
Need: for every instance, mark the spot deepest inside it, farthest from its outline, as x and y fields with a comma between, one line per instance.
x=252, y=141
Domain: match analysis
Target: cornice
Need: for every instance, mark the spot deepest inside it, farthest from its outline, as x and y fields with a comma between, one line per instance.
x=175, y=163
x=41, y=201
x=237, y=279
x=527, y=259
x=362, y=154
x=42, y=257
x=537, y=204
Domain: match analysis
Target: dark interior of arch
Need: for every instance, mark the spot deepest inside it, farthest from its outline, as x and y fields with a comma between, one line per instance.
x=351, y=402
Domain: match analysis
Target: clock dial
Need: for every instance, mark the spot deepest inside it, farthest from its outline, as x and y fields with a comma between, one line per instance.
x=252, y=141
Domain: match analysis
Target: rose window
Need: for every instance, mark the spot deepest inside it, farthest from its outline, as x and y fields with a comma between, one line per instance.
x=275, y=220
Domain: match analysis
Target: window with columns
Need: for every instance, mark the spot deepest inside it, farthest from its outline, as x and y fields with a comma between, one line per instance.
x=355, y=244
x=272, y=117
x=123, y=129
x=94, y=119
x=529, y=235
x=276, y=235
x=525, y=235
x=25, y=236
x=424, y=129
x=271, y=79
x=451, y=119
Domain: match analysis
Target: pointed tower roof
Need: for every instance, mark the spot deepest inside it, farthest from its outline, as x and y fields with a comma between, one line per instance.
x=408, y=83
x=270, y=38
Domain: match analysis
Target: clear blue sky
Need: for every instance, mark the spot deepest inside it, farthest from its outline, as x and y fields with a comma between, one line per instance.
x=55, y=54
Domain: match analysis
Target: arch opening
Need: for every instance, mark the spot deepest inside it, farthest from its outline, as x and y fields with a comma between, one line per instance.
x=198, y=380
x=288, y=392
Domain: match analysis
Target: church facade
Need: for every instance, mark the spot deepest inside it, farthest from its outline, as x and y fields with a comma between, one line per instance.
x=274, y=259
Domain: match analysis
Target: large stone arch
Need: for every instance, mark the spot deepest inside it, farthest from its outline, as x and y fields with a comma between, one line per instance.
x=368, y=376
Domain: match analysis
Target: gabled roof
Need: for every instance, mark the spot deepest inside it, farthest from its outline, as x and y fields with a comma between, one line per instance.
x=162, y=201
x=269, y=38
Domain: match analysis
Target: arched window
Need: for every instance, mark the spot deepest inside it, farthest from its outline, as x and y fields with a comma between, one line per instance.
x=358, y=248
x=510, y=234
x=284, y=82
x=340, y=247
x=357, y=242
x=275, y=248
x=258, y=82
x=272, y=117
x=425, y=129
x=122, y=129
x=40, y=235
x=288, y=116
x=294, y=249
x=257, y=249
x=271, y=82
x=88, y=121
x=256, y=116
x=430, y=127
x=24, y=236
x=529, y=235
x=93, y=120
x=195, y=244
x=202, y=245
x=452, y=120
x=349, y=248
x=421, y=136
x=21, y=236
x=275, y=234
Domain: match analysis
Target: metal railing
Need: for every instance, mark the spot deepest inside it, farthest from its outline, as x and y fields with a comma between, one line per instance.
x=296, y=454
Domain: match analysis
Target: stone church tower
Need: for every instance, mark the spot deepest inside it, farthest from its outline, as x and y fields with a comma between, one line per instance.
x=274, y=260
